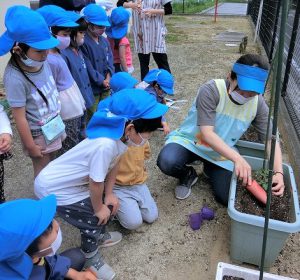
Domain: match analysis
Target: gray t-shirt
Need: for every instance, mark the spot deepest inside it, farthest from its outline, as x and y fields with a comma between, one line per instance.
x=208, y=99
x=21, y=93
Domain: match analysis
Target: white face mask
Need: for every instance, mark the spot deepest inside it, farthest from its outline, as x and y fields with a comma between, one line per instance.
x=240, y=99
x=79, y=42
x=30, y=62
x=55, y=245
x=64, y=42
x=129, y=142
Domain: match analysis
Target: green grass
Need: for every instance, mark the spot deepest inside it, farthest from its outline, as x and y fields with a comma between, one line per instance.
x=192, y=6
x=197, y=6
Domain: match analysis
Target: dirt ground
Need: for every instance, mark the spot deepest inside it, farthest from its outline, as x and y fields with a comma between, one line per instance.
x=169, y=249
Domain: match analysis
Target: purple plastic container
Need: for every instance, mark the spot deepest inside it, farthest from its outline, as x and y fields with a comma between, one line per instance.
x=195, y=221
x=207, y=213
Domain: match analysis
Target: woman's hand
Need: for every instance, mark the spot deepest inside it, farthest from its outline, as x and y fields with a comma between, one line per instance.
x=5, y=142
x=243, y=170
x=278, y=184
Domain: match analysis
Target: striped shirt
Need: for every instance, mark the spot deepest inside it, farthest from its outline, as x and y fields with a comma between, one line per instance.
x=149, y=32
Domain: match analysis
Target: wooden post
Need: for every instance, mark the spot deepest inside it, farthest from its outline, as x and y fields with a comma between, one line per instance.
x=216, y=10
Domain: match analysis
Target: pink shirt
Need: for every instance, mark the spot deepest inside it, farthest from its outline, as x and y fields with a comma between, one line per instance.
x=123, y=42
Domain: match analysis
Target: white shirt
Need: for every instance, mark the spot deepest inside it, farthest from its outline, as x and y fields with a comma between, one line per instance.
x=4, y=122
x=67, y=176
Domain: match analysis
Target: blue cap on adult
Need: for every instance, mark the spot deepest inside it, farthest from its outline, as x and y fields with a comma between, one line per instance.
x=250, y=78
x=56, y=16
x=122, y=80
x=96, y=15
x=22, y=221
x=128, y=104
x=26, y=26
x=163, y=78
x=118, y=19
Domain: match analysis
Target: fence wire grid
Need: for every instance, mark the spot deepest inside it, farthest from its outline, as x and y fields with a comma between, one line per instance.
x=269, y=35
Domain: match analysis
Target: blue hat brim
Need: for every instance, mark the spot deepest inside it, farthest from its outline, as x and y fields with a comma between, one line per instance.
x=104, y=125
x=157, y=111
x=6, y=43
x=117, y=32
x=250, y=78
x=100, y=23
x=48, y=210
x=44, y=45
x=68, y=24
x=169, y=91
x=250, y=84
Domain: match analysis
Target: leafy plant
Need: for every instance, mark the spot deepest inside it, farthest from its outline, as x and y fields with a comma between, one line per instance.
x=261, y=176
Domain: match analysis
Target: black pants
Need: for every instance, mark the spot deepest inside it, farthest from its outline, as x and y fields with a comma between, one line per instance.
x=161, y=60
x=173, y=159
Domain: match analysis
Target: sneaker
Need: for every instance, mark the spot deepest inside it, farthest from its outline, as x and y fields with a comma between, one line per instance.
x=102, y=270
x=184, y=190
x=108, y=239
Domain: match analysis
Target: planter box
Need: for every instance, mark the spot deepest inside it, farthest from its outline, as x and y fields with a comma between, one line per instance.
x=247, y=230
x=251, y=149
x=246, y=273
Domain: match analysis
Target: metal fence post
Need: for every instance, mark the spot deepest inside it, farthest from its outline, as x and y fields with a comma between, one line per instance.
x=270, y=55
x=291, y=50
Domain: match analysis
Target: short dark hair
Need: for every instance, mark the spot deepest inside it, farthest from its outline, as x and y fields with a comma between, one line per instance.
x=24, y=47
x=34, y=246
x=146, y=125
x=251, y=60
x=56, y=29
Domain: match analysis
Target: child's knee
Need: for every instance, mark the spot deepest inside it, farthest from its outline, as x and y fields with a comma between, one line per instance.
x=151, y=216
x=131, y=222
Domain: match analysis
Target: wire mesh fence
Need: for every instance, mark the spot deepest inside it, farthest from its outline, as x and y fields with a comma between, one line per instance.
x=269, y=34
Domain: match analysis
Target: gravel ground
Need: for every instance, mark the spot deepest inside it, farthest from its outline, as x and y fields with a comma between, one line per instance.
x=169, y=249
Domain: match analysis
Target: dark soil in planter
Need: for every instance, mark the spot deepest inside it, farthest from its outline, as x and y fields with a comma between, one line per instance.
x=226, y=277
x=279, y=209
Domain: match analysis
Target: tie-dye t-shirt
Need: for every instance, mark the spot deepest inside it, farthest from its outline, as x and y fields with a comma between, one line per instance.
x=21, y=93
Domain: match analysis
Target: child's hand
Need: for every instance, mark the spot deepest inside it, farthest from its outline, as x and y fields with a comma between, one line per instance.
x=166, y=128
x=5, y=142
x=85, y=275
x=35, y=151
x=106, y=83
x=111, y=199
x=103, y=215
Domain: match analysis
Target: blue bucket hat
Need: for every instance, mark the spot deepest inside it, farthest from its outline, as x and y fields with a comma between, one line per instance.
x=250, y=78
x=26, y=26
x=22, y=221
x=118, y=19
x=122, y=80
x=95, y=15
x=128, y=104
x=74, y=16
x=56, y=16
x=163, y=78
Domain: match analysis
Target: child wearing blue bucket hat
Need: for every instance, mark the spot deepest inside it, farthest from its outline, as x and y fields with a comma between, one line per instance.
x=30, y=86
x=29, y=245
x=83, y=178
x=161, y=83
x=223, y=110
x=97, y=50
x=80, y=67
x=120, y=45
x=122, y=80
x=72, y=103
